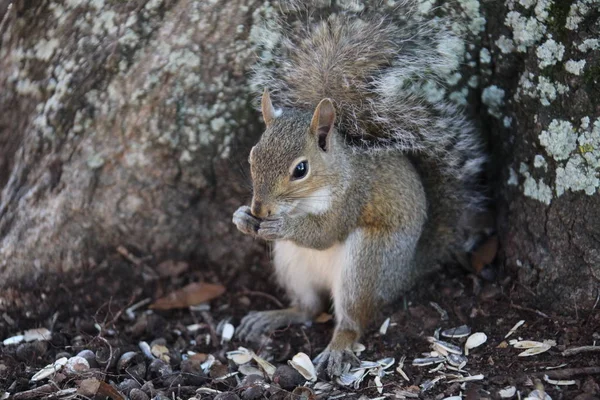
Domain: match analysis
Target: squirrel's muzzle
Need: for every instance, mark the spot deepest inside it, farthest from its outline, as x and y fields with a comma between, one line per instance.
x=259, y=210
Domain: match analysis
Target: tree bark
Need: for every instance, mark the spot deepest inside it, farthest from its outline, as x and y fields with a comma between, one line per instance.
x=129, y=123
x=118, y=123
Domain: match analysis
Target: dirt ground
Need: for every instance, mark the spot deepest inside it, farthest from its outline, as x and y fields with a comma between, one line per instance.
x=91, y=314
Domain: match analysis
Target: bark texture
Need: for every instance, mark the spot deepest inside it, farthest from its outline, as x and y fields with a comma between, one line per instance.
x=128, y=123
x=118, y=121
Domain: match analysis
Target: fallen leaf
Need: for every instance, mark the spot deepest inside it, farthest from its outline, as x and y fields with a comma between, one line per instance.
x=171, y=269
x=484, y=254
x=192, y=294
x=323, y=317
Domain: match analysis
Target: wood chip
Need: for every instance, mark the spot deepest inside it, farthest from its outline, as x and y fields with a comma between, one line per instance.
x=192, y=294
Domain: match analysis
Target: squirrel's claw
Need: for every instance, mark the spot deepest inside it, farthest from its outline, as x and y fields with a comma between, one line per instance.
x=271, y=228
x=334, y=360
x=245, y=221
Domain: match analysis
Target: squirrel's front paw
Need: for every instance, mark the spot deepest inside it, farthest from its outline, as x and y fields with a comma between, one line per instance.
x=273, y=228
x=334, y=360
x=245, y=221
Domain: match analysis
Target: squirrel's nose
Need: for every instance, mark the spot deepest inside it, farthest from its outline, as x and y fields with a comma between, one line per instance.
x=258, y=210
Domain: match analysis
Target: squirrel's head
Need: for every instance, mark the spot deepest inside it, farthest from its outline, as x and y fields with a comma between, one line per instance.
x=293, y=163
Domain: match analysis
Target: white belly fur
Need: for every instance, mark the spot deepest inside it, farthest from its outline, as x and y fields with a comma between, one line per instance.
x=308, y=273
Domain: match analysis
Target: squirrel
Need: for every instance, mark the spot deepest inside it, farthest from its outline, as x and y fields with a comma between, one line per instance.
x=360, y=183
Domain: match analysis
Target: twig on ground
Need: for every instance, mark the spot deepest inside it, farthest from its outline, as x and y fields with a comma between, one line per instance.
x=538, y=312
x=211, y=326
x=583, y=349
x=41, y=391
x=133, y=259
x=265, y=295
x=568, y=372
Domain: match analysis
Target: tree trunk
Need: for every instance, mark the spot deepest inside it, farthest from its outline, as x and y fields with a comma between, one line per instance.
x=118, y=125
x=128, y=124
x=546, y=144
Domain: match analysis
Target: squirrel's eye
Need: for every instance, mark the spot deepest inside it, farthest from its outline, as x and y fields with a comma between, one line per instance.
x=300, y=170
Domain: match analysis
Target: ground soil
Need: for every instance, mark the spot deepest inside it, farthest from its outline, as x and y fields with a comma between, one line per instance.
x=90, y=313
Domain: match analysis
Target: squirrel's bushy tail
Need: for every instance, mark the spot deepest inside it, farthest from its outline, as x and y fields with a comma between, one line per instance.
x=377, y=68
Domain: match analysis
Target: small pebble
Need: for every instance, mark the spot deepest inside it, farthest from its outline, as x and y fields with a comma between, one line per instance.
x=127, y=385
x=253, y=387
x=192, y=372
x=76, y=365
x=137, y=394
x=159, y=368
x=227, y=396
x=89, y=356
x=29, y=352
x=287, y=377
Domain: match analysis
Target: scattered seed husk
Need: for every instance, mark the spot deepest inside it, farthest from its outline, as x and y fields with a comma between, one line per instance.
x=423, y=362
x=385, y=363
x=365, y=365
x=358, y=348
x=205, y=390
x=379, y=384
x=532, y=351
x=353, y=377
x=444, y=347
x=468, y=378
x=49, y=369
x=559, y=382
x=526, y=344
x=508, y=392
x=207, y=365
x=428, y=384
x=452, y=398
x=13, y=340
x=194, y=327
x=402, y=373
x=265, y=365
x=384, y=327
x=240, y=356
x=323, y=386
x=514, y=328
x=405, y=394
x=458, y=332
x=475, y=340
x=32, y=335
x=145, y=347
x=457, y=360
x=227, y=332
x=303, y=364
x=538, y=395
x=247, y=369
x=439, y=367
x=556, y=367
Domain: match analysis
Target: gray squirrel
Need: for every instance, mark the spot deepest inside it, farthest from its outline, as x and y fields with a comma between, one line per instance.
x=361, y=185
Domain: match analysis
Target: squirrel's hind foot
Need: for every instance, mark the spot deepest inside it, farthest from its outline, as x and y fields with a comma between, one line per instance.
x=333, y=361
x=256, y=323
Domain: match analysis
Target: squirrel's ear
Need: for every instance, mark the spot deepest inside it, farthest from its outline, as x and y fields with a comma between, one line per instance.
x=268, y=111
x=322, y=122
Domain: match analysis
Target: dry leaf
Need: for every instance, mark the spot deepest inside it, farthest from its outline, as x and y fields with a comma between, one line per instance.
x=484, y=254
x=192, y=294
x=171, y=269
x=323, y=317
